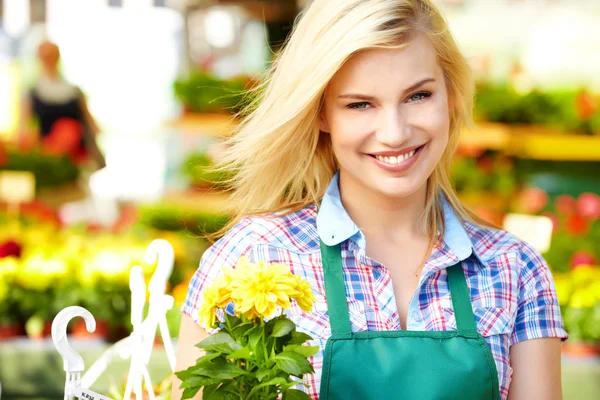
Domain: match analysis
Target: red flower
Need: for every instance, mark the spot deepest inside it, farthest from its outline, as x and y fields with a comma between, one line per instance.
x=585, y=105
x=576, y=225
x=566, y=205
x=588, y=205
x=533, y=200
x=581, y=258
x=10, y=248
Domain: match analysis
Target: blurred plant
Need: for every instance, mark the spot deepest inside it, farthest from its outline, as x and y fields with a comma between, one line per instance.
x=488, y=172
x=165, y=217
x=579, y=296
x=571, y=110
x=576, y=230
x=203, y=92
x=49, y=170
x=197, y=167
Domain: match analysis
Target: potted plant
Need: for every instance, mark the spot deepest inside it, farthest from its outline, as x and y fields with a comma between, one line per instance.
x=579, y=296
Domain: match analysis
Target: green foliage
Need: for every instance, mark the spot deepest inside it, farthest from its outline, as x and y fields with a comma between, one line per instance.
x=162, y=216
x=203, y=92
x=49, y=170
x=557, y=109
x=250, y=360
x=198, y=168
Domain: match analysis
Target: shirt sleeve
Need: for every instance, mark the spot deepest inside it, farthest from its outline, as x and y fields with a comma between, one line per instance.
x=538, y=312
x=236, y=243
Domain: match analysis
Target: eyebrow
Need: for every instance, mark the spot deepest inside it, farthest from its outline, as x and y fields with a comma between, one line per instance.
x=366, y=97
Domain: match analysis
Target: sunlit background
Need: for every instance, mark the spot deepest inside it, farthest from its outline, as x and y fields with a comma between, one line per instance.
x=161, y=78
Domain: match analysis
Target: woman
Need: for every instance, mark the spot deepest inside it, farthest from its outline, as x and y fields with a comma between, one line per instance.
x=343, y=169
x=65, y=124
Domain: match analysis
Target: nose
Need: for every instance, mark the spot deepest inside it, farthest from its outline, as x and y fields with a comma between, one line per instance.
x=394, y=128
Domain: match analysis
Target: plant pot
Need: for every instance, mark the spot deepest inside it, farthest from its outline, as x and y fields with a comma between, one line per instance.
x=37, y=329
x=581, y=349
x=9, y=331
x=79, y=330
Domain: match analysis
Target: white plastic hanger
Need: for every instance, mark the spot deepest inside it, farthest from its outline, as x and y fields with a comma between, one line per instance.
x=72, y=361
x=138, y=370
x=138, y=346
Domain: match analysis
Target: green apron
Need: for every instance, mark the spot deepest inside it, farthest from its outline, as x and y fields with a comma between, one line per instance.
x=421, y=365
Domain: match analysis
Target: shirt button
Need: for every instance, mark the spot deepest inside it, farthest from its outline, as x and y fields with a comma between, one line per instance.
x=416, y=316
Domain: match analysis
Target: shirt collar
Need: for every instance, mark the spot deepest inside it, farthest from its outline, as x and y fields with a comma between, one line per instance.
x=335, y=226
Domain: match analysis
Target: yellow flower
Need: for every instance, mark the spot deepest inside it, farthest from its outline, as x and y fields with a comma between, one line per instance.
x=257, y=290
x=261, y=288
x=305, y=297
x=564, y=288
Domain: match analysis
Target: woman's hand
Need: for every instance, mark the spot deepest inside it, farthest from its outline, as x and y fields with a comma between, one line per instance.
x=190, y=334
x=536, y=370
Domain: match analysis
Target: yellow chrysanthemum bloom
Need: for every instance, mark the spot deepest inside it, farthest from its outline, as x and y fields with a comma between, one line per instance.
x=305, y=297
x=257, y=290
x=262, y=286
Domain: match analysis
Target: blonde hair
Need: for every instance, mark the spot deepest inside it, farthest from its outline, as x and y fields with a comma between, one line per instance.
x=280, y=160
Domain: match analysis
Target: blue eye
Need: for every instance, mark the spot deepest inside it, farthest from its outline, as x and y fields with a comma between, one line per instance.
x=359, y=106
x=419, y=96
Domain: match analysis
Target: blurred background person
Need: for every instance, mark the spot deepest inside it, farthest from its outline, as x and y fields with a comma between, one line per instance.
x=66, y=126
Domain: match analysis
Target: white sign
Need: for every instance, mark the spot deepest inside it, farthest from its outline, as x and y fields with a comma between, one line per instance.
x=535, y=230
x=17, y=186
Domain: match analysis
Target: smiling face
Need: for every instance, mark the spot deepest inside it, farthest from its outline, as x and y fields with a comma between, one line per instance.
x=387, y=113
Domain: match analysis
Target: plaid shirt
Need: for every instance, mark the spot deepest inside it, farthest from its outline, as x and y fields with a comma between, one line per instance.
x=512, y=290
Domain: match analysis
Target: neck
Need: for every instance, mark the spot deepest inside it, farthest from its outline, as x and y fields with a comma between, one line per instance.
x=52, y=74
x=381, y=217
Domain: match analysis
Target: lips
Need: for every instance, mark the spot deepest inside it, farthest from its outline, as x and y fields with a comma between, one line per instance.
x=397, y=162
x=396, y=157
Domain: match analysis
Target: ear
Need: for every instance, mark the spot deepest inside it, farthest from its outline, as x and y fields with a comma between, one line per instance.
x=323, y=124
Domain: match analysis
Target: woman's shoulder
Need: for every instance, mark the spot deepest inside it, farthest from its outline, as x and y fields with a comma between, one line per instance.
x=295, y=231
x=491, y=243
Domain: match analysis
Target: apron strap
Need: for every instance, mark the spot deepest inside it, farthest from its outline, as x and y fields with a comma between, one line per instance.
x=461, y=301
x=335, y=290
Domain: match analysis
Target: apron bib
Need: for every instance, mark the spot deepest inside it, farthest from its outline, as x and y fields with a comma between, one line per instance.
x=423, y=365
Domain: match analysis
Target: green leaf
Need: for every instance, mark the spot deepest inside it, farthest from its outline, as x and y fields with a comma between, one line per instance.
x=299, y=338
x=232, y=319
x=220, y=342
x=293, y=363
x=306, y=351
x=272, y=382
x=243, y=353
x=241, y=329
x=282, y=327
x=189, y=393
x=220, y=370
x=185, y=374
x=209, y=391
x=294, y=394
x=198, y=381
x=255, y=336
x=263, y=373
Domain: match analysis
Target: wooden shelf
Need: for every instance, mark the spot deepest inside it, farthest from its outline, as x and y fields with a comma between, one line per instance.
x=532, y=142
x=209, y=125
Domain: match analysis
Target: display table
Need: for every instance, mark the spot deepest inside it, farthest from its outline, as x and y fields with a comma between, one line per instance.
x=33, y=370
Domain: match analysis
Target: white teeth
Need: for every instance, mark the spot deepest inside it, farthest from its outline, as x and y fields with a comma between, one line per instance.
x=393, y=160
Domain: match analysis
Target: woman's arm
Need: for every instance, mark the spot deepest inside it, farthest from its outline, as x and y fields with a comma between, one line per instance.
x=190, y=334
x=536, y=370
x=89, y=119
x=24, y=119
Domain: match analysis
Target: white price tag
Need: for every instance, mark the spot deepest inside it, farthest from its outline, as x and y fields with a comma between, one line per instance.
x=86, y=394
x=17, y=186
x=535, y=230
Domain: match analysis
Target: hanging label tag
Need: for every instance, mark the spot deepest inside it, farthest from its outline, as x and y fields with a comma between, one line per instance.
x=86, y=394
x=17, y=186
